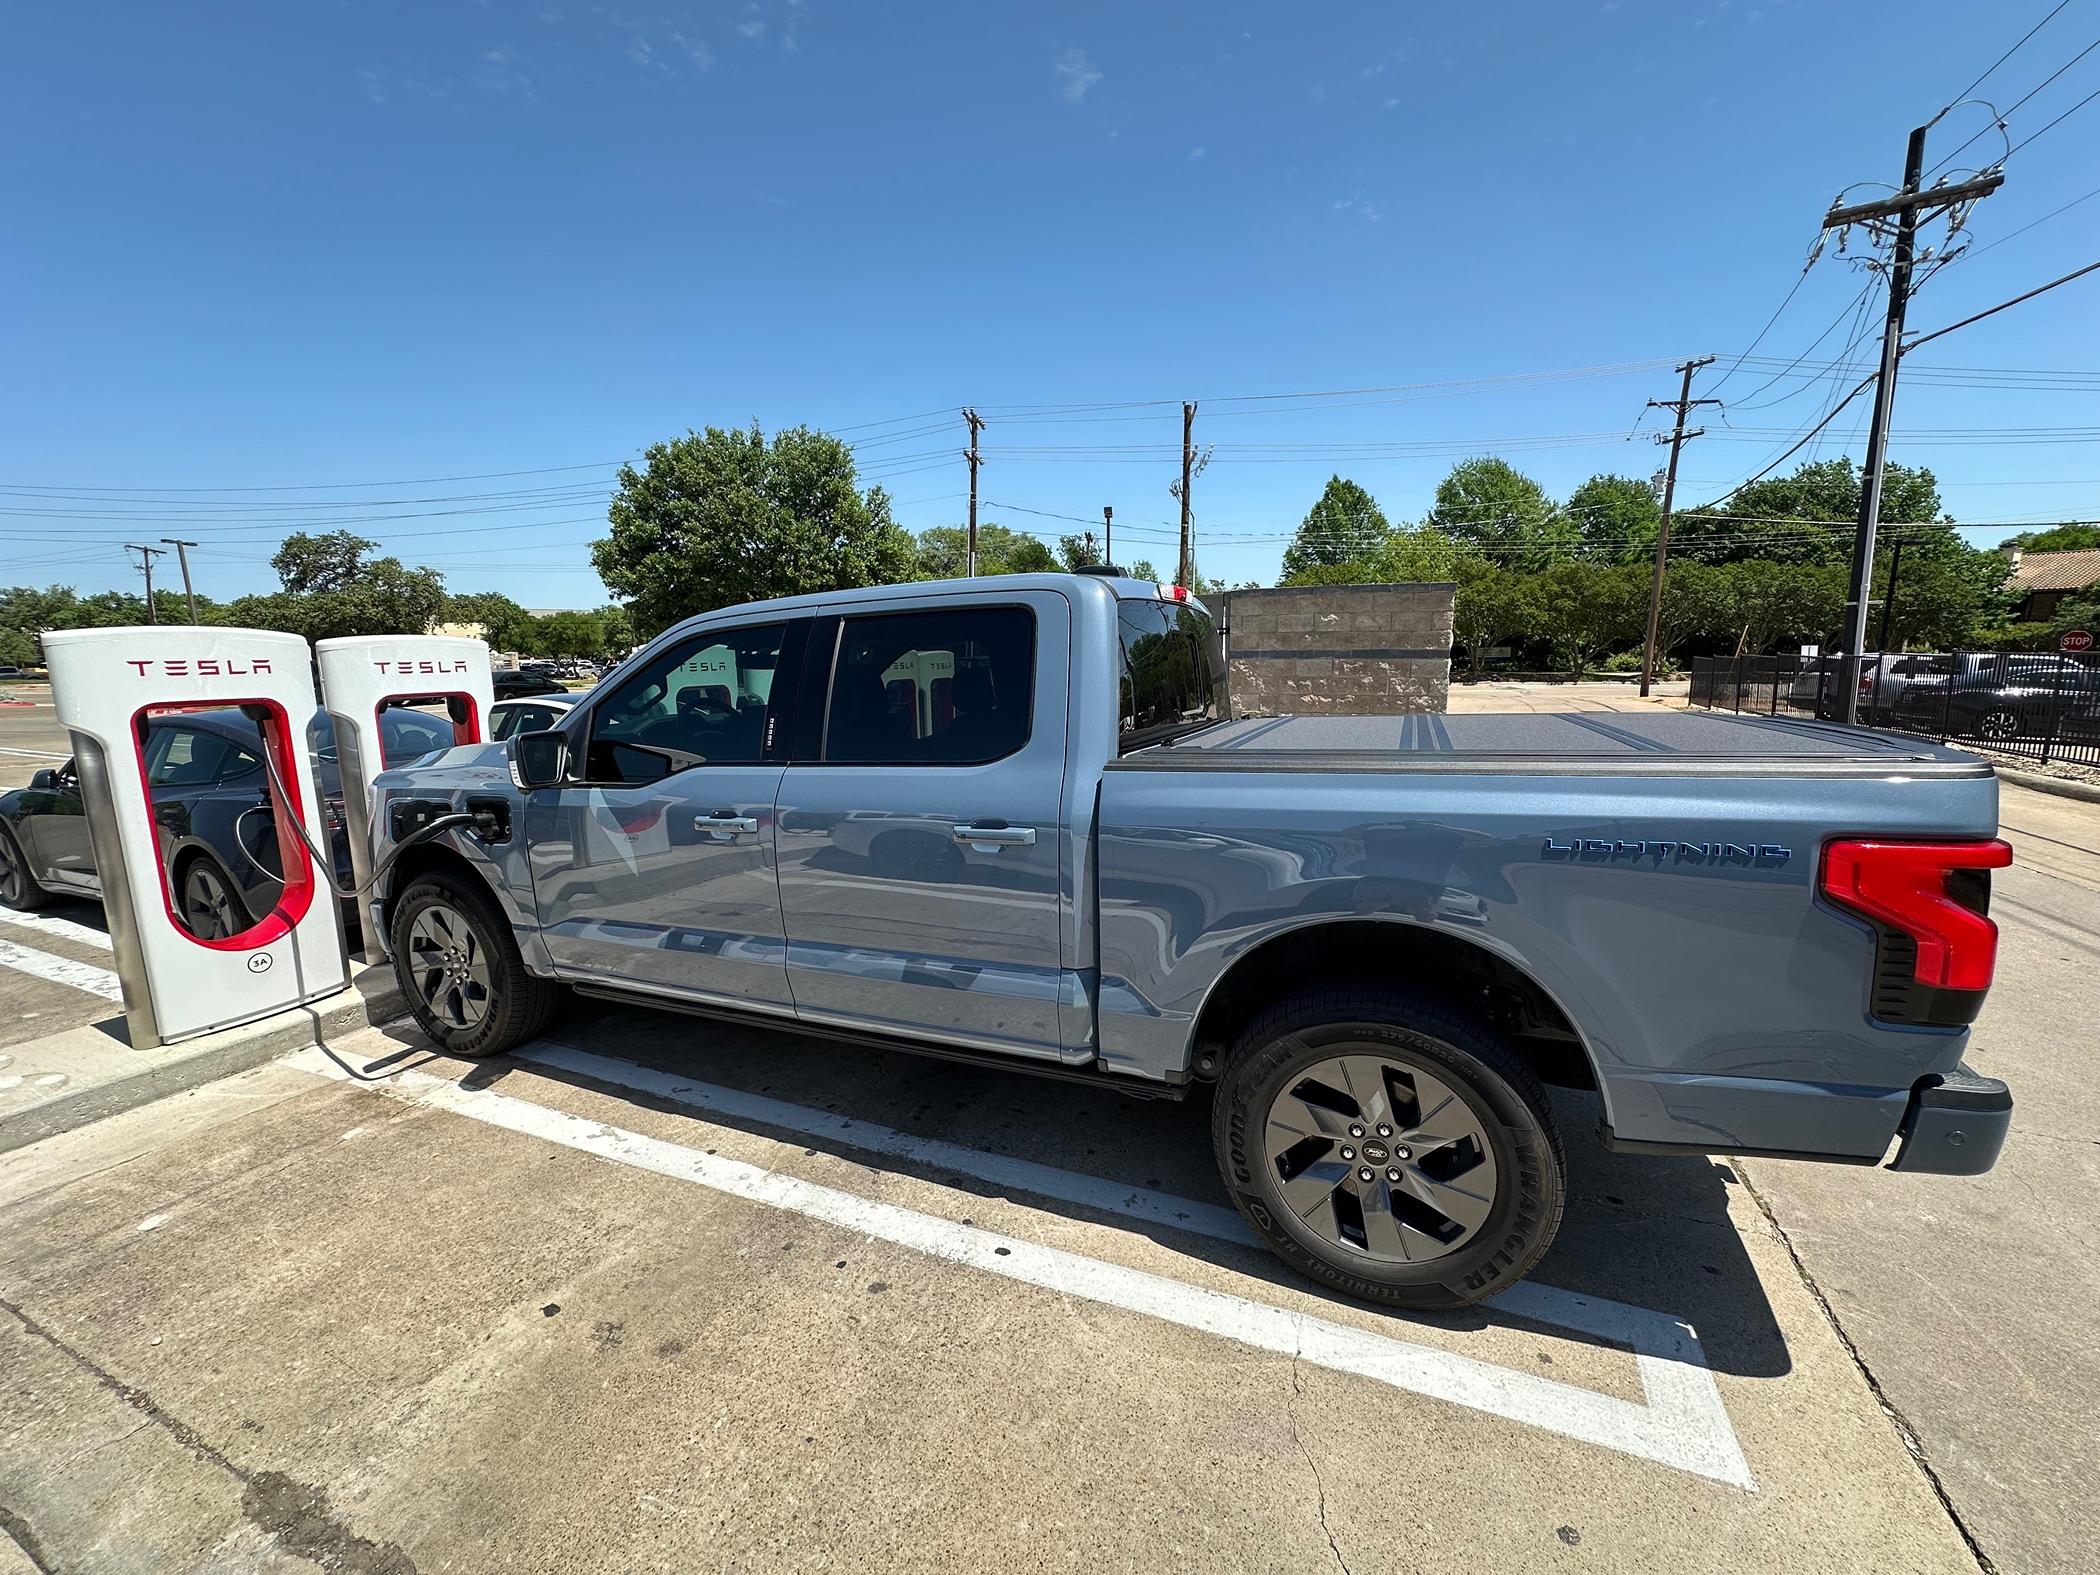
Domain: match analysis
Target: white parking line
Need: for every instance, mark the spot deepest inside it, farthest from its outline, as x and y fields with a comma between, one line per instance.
x=35, y=754
x=62, y=929
x=1681, y=1424
x=61, y=970
x=1209, y=1219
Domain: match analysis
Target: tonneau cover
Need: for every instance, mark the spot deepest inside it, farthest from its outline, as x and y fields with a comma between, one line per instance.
x=1576, y=741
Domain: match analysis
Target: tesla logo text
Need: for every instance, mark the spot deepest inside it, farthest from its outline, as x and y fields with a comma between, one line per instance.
x=201, y=667
x=1607, y=851
x=423, y=666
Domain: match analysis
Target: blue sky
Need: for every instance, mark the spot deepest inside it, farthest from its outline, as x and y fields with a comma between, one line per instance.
x=293, y=245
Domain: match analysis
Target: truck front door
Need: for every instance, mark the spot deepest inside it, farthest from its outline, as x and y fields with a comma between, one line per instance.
x=654, y=869
x=921, y=829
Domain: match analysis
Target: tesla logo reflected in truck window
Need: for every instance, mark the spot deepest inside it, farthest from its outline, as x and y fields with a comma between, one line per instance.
x=200, y=667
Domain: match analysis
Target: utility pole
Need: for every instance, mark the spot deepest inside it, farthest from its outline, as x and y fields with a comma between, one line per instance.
x=976, y=425
x=1905, y=207
x=1108, y=535
x=146, y=557
x=182, y=556
x=1683, y=405
x=1183, y=571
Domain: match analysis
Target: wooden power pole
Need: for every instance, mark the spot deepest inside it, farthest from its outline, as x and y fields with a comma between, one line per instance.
x=1905, y=208
x=1683, y=405
x=146, y=557
x=976, y=425
x=182, y=556
x=1184, y=570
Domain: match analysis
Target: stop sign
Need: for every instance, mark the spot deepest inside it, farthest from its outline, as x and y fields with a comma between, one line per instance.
x=2076, y=640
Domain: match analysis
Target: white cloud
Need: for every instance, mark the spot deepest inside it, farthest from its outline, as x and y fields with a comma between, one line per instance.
x=695, y=50
x=499, y=72
x=1195, y=154
x=1076, y=76
x=753, y=29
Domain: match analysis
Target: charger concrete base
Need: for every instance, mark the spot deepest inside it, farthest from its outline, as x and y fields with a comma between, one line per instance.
x=71, y=1078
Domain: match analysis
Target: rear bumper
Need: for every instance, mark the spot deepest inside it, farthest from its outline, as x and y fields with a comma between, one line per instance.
x=1955, y=1125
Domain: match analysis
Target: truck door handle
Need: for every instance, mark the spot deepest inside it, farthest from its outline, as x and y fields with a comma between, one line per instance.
x=725, y=826
x=990, y=837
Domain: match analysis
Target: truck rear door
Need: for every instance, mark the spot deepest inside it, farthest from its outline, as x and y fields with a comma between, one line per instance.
x=921, y=822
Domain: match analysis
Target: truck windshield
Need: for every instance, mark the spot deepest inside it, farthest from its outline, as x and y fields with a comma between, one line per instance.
x=1171, y=678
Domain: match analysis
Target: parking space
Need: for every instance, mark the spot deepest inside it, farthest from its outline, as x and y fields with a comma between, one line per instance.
x=658, y=1292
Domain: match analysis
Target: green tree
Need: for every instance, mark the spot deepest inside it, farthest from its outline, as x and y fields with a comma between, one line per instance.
x=1493, y=604
x=1803, y=518
x=1344, y=525
x=503, y=623
x=1618, y=518
x=721, y=516
x=1946, y=593
x=1489, y=505
x=1587, y=609
x=1143, y=570
x=1399, y=557
x=617, y=630
x=2076, y=536
x=944, y=552
x=1764, y=603
x=332, y=589
x=1074, y=553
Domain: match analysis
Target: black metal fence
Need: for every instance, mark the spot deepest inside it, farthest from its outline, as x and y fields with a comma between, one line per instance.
x=2022, y=702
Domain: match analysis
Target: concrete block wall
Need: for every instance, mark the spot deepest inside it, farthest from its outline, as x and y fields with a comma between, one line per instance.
x=1339, y=650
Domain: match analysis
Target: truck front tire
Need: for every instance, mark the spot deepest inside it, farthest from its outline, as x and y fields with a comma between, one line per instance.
x=458, y=964
x=1390, y=1145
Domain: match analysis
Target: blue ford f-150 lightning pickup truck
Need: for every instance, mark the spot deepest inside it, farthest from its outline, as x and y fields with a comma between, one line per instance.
x=1008, y=820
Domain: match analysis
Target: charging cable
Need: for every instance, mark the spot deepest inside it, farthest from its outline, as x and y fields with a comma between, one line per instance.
x=326, y=865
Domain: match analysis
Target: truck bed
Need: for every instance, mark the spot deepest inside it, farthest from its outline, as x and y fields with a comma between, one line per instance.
x=1617, y=743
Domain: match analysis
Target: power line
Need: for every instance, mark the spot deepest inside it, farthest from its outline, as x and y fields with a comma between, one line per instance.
x=2044, y=219
x=1963, y=95
x=2060, y=119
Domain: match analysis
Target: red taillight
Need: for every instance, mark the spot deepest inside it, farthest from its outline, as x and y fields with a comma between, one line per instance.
x=1904, y=885
x=1175, y=593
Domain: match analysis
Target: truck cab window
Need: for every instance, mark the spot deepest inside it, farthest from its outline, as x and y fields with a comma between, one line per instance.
x=701, y=702
x=1171, y=673
x=932, y=688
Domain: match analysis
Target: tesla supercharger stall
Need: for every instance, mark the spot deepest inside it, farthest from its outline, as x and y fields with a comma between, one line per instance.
x=191, y=745
x=443, y=678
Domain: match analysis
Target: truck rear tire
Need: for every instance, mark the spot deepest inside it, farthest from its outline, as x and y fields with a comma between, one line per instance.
x=1390, y=1145
x=459, y=966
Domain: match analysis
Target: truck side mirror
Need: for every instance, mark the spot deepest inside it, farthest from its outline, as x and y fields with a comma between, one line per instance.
x=539, y=760
x=44, y=781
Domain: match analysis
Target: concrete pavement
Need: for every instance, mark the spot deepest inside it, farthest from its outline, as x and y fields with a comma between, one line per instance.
x=552, y=1313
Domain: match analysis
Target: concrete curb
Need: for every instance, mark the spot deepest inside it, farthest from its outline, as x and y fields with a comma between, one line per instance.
x=107, y=1077
x=2086, y=792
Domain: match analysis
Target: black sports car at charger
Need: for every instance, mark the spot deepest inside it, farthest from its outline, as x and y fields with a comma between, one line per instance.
x=211, y=808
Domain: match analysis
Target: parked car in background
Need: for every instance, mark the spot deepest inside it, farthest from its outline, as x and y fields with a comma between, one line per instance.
x=211, y=806
x=9, y=670
x=533, y=714
x=512, y=682
x=2000, y=699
